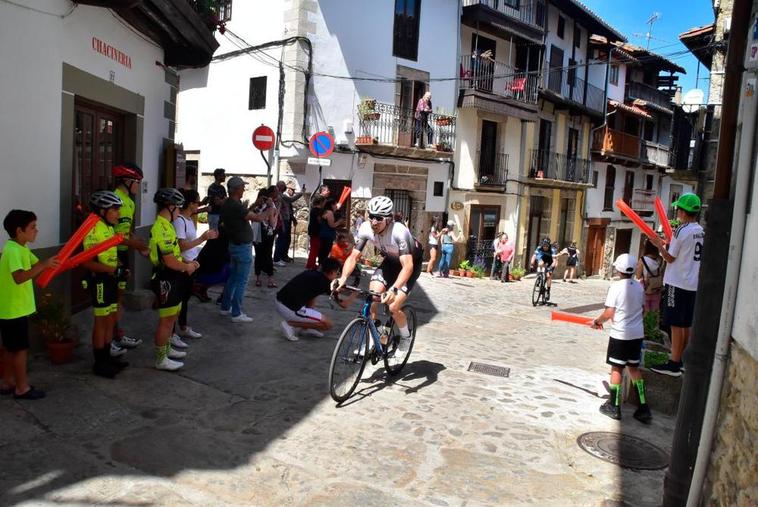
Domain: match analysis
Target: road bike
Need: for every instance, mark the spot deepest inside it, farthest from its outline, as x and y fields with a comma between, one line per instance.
x=539, y=293
x=363, y=340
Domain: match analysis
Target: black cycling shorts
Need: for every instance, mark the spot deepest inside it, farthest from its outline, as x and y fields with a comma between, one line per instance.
x=169, y=288
x=104, y=292
x=390, y=268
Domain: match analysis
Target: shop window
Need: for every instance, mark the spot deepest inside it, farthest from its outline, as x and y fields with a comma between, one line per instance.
x=257, y=99
x=405, y=30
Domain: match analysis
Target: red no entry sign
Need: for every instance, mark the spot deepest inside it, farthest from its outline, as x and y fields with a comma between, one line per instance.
x=263, y=138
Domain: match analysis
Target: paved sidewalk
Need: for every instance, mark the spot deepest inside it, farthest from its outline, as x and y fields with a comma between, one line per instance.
x=249, y=420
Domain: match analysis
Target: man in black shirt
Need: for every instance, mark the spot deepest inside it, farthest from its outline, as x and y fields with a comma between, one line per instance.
x=236, y=218
x=216, y=198
x=295, y=301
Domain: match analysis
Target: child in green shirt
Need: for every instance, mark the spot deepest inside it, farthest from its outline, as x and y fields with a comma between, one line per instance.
x=18, y=266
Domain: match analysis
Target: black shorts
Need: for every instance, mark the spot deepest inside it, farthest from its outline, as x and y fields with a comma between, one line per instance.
x=15, y=334
x=123, y=260
x=104, y=292
x=624, y=352
x=570, y=263
x=678, y=306
x=169, y=288
x=389, y=269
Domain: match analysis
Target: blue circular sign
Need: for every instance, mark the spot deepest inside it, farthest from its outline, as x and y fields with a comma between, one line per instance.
x=321, y=144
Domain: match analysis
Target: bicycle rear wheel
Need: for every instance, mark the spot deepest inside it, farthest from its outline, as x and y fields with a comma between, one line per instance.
x=348, y=363
x=538, y=290
x=393, y=363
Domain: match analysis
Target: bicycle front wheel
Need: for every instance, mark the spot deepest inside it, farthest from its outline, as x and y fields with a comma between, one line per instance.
x=349, y=360
x=537, y=291
x=394, y=361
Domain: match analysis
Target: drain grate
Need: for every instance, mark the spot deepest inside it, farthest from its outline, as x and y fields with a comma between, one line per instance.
x=490, y=369
x=623, y=450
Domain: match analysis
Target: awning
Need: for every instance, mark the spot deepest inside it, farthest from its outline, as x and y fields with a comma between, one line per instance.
x=629, y=109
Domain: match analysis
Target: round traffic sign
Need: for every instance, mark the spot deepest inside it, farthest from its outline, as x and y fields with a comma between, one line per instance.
x=321, y=144
x=263, y=138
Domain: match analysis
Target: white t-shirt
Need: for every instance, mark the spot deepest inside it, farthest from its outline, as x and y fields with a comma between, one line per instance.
x=432, y=239
x=185, y=229
x=687, y=248
x=628, y=297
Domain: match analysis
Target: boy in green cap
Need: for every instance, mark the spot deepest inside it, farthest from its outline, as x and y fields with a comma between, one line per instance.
x=681, y=279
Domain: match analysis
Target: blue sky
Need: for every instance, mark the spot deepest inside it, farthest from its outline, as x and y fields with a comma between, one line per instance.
x=675, y=17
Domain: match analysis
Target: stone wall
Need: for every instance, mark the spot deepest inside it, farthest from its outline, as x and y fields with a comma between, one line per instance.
x=733, y=473
x=413, y=180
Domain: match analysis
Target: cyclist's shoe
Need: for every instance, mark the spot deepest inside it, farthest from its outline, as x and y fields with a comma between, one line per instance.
x=403, y=344
x=547, y=294
x=611, y=410
x=289, y=331
x=177, y=342
x=117, y=351
x=125, y=342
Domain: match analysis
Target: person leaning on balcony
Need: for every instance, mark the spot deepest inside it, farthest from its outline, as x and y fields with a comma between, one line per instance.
x=423, y=108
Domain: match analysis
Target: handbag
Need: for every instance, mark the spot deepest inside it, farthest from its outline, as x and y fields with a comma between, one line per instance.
x=654, y=282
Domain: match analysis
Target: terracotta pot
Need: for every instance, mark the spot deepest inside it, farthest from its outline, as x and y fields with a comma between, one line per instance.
x=60, y=352
x=469, y=274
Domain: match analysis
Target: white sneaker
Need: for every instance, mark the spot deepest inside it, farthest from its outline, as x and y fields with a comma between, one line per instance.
x=168, y=365
x=403, y=344
x=176, y=354
x=117, y=351
x=313, y=332
x=281, y=264
x=188, y=332
x=126, y=342
x=289, y=332
x=177, y=342
x=224, y=312
x=242, y=318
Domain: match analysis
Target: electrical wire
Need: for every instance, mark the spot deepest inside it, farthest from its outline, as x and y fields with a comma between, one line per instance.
x=40, y=11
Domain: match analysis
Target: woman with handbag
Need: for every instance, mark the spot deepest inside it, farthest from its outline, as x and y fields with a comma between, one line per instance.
x=650, y=273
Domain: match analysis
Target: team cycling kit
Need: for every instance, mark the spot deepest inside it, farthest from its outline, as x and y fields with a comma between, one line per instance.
x=546, y=257
x=396, y=240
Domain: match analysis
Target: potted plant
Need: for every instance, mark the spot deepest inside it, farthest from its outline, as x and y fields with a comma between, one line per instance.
x=517, y=274
x=54, y=325
x=479, y=271
x=367, y=109
x=364, y=140
x=467, y=269
x=442, y=118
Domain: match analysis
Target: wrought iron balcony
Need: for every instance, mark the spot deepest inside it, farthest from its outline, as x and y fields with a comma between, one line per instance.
x=649, y=94
x=550, y=165
x=498, y=78
x=389, y=129
x=567, y=85
x=492, y=170
x=611, y=142
x=531, y=13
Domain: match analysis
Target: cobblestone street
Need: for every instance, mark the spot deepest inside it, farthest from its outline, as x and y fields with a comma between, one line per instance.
x=249, y=420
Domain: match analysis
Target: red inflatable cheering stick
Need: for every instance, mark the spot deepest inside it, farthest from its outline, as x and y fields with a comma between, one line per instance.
x=92, y=252
x=345, y=194
x=570, y=317
x=664, y=219
x=68, y=249
x=634, y=217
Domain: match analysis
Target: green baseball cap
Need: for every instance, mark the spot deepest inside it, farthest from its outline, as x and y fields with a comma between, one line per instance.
x=688, y=202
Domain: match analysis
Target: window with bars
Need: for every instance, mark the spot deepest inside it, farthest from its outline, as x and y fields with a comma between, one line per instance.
x=224, y=10
x=402, y=201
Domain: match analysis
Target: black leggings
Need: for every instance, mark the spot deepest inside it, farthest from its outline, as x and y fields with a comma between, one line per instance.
x=188, y=283
x=324, y=249
x=264, y=262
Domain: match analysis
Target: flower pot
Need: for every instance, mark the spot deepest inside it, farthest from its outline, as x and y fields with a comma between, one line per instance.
x=469, y=274
x=453, y=272
x=372, y=116
x=60, y=352
x=364, y=140
x=441, y=122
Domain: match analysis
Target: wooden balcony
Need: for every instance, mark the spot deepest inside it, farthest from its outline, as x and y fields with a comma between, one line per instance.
x=654, y=154
x=615, y=144
x=643, y=201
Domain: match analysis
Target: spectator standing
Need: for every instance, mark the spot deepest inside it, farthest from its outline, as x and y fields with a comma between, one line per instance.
x=448, y=237
x=189, y=244
x=433, y=244
x=650, y=273
x=287, y=197
x=681, y=279
x=235, y=218
x=504, y=252
x=328, y=229
x=314, y=227
x=18, y=266
x=571, y=262
x=216, y=198
x=423, y=108
x=265, y=207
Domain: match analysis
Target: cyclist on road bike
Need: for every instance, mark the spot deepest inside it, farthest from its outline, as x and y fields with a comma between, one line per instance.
x=546, y=257
x=401, y=267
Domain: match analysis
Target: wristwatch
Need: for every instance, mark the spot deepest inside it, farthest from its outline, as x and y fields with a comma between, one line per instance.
x=394, y=290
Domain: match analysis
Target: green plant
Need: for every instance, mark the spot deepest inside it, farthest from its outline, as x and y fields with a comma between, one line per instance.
x=518, y=272
x=653, y=358
x=465, y=265
x=52, y=318
x=202, y=218
x=367, y=106
x=479, y=271
x=652, y=331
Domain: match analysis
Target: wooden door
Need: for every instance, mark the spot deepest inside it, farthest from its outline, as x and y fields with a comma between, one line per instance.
x=595, y=247
x=623, y=242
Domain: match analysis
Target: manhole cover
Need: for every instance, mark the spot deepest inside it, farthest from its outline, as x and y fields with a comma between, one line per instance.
x=623, y=450
x=489, y=369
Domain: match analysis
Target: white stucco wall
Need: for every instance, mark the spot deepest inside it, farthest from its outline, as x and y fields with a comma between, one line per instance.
x=567, y=42
x=33, y=48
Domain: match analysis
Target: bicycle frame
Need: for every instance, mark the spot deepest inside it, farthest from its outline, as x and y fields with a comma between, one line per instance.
x=365, y=313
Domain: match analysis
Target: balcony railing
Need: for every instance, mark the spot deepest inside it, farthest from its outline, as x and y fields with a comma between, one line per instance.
x=557, y=166
x=492, y=169
x=643, y=201
x=656, y=154
x=388, y=124
x=531, y=13
x=614, y=142
x=648, y=94
x=566, y=84
x=498, y=78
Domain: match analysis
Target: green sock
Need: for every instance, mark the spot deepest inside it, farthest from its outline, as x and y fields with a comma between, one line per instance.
x=616, y=394
x=640, y=385
x=161, y=352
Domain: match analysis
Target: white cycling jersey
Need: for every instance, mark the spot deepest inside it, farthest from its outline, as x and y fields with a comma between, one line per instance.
x=396, y=240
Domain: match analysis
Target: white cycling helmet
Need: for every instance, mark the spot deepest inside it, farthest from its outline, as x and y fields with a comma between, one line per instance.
x=380, y=206
x=625, y=263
